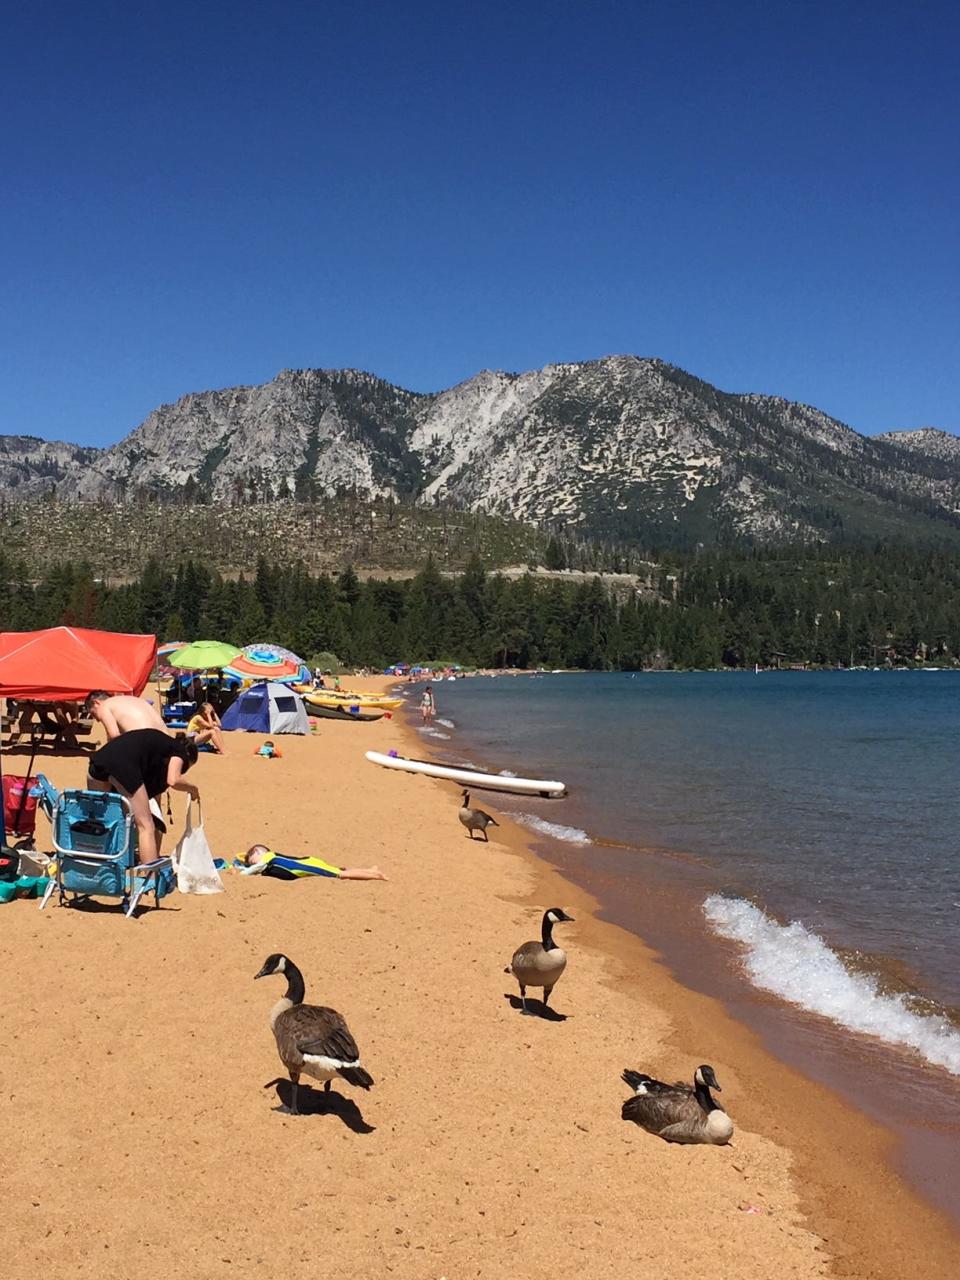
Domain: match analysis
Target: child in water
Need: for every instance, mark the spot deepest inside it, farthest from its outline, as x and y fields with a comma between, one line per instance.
x=259, y=860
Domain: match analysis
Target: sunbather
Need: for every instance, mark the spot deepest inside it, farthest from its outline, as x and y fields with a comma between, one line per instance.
x=205, y=727
x=259, y=860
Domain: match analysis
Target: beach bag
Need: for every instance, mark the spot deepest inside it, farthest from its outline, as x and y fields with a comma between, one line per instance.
x=193, y=859
x=19, y=806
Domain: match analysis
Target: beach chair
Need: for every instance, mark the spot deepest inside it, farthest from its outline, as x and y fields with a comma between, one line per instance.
x=96, y=845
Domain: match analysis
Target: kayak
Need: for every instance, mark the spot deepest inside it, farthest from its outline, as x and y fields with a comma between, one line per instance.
x=344, y=710
x=383, y=701
x=479, y=779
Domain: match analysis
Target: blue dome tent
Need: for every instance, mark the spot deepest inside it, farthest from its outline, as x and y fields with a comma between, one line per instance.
x=267, y=708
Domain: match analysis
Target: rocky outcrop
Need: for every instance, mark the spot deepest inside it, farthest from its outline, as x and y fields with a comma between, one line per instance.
x=622, y=447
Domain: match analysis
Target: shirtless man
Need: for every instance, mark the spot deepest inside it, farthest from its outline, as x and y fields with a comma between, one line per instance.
x=119, y=713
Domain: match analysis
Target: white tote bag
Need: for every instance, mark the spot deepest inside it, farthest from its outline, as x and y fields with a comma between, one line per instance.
x=193, y=859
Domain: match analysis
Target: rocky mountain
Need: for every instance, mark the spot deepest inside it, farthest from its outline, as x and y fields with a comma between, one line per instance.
x=622, y=447
x=926, y=440
x=30, y=466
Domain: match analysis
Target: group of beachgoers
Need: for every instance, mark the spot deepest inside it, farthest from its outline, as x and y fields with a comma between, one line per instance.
x=141, y=760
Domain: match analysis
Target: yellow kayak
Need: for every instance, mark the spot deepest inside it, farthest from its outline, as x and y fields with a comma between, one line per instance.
x=383, y=701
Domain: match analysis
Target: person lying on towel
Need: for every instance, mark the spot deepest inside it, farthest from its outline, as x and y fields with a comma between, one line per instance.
x=259, y=860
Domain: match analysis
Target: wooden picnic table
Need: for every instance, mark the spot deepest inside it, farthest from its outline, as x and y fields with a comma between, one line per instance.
x=57, y=723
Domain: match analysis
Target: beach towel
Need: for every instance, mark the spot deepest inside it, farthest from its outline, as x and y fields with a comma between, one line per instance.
x=193, y=859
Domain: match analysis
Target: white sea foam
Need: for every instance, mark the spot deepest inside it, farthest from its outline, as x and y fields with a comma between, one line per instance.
x=448, y=724
x=507, y=773
x=570, y=835
x=434, y=733
x=797, y=965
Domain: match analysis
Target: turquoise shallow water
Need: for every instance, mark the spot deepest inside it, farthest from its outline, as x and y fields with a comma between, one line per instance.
x=829, y=800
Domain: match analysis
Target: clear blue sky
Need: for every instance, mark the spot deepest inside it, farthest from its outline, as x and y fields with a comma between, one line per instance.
x=198, y=195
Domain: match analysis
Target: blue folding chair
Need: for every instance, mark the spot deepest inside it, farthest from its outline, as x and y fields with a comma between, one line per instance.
x=96, y=844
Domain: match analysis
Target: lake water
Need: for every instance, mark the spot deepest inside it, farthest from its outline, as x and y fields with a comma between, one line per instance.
x=811, y=819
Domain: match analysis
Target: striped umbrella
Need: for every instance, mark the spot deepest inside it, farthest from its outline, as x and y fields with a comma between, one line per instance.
x=163, y=668
x=267, y=662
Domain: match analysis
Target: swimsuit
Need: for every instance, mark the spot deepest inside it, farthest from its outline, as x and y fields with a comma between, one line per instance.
x=136, y=759
x=281, y=868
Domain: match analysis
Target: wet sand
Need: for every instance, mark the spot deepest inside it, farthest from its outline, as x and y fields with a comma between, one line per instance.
x=139, y=1138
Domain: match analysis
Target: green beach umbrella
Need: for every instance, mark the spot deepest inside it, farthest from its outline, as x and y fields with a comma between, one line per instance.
x=204, y=655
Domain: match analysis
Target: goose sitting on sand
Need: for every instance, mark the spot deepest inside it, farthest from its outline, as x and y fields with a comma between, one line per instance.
x=475, y=819
x=540, y=964
x=311, y=1040
x=675, y=1112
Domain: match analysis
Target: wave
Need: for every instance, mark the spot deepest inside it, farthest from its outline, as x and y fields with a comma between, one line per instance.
x=434, y=733
x=798, y=966
x=447, y=724
x=569, y=835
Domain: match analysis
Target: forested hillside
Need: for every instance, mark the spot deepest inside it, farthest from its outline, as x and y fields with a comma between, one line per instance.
x=825, y=606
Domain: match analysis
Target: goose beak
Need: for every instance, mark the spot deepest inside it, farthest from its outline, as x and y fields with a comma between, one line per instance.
x=264, y=973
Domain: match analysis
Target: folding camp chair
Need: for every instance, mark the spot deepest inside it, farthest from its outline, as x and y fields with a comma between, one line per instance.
x=96, y=844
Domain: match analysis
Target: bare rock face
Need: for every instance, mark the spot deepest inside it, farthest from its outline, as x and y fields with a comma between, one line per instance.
x=30, y=467
x=929, y=441
x=621, y=447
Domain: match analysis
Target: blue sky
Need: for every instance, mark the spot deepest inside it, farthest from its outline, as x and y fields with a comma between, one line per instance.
x=199, y=195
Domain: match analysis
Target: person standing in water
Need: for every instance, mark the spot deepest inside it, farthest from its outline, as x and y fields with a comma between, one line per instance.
x=428, y=708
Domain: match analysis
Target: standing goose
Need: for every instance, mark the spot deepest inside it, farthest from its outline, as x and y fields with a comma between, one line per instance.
x=540, y=964
x=475, y=819
x=675, y=1112
x=311, y=1040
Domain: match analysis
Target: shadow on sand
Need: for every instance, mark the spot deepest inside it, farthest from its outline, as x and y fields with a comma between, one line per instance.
x=316, y=1102
x=535, y=1008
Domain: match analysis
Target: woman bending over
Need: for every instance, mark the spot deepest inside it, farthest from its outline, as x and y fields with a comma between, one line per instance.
x=141, y=765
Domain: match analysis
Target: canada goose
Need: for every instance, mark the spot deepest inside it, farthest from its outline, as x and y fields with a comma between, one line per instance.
x=475, y=819
x=310, y=1039
x=675, y=1112
x=540, y=964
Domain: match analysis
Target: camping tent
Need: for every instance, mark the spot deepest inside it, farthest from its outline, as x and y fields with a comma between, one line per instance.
x=267, y=708
x=64, y=664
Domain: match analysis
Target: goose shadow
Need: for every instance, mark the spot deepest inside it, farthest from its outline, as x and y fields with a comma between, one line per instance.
x=316, y=1102
x=535, y=1008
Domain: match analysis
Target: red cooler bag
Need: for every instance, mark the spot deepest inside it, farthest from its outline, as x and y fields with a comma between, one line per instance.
x=19, y=807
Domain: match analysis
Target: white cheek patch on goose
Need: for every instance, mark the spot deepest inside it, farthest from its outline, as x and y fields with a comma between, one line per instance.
x=281, y=965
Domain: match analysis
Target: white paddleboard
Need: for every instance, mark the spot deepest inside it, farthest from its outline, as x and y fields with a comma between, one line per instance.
x=471, y=778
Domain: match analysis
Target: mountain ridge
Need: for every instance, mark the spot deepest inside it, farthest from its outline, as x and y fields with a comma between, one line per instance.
x=623, y=446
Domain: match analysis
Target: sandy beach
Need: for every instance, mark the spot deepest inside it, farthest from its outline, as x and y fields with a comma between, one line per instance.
x=139, y=1139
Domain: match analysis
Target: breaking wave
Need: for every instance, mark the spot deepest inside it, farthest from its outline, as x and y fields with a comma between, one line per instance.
x=798, y=966
x=569, y=835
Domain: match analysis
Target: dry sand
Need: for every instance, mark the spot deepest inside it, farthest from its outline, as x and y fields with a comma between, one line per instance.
x=139, y=1140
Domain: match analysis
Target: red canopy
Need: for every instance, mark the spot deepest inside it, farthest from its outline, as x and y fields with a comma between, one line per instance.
x=64, y=664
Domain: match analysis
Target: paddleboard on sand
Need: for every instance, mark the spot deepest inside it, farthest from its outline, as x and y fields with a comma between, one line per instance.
x=471, y=778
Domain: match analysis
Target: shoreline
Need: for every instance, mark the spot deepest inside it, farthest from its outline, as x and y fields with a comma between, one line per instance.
x=489, y=1140
x=874, y=1221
